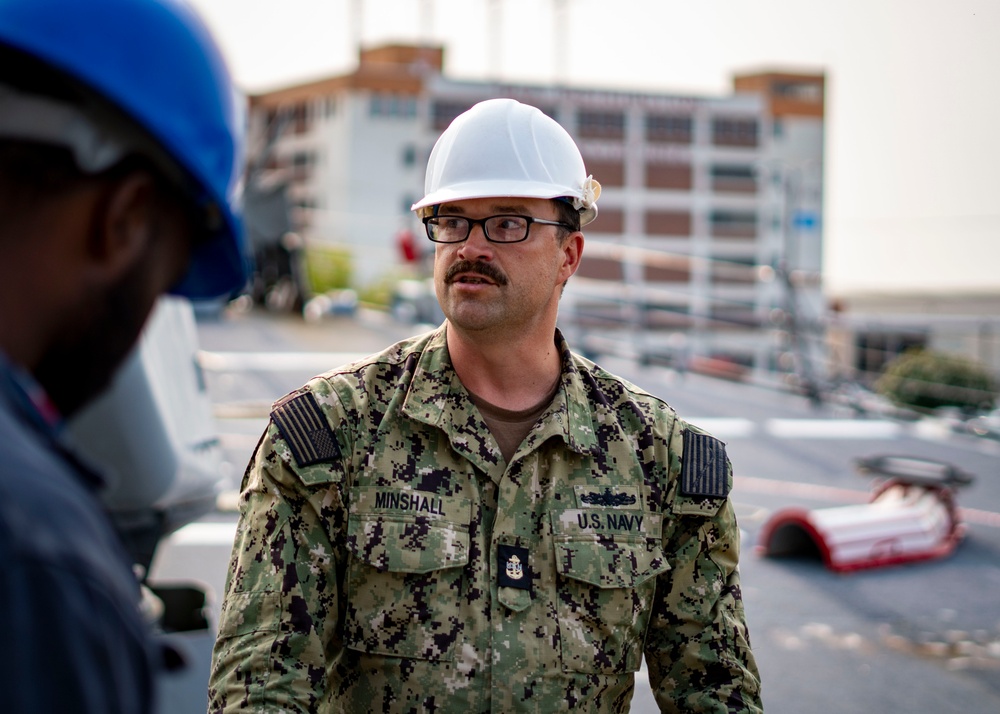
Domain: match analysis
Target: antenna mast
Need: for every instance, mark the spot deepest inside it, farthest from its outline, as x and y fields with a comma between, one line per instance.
x=494, y=21
x=560, y=18
x=426, y=22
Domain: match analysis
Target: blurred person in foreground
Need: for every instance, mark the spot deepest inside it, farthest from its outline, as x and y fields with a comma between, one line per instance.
x=119, y=149
x=477, y=519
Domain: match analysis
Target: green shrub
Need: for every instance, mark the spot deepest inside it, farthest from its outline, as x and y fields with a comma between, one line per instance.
x=923, y=379
x=378, y=294
x=328, y=267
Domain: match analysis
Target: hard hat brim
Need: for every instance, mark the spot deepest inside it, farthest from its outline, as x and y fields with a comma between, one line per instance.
x=502, y=189
x=218, y=266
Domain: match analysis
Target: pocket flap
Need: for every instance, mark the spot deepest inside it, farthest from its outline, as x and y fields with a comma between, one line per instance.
x=608, y=548
x=408, y=531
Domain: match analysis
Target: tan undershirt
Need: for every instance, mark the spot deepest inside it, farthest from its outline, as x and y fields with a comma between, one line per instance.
x=509, y=427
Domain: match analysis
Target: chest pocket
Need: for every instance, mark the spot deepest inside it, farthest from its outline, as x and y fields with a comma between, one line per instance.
x=405, y=574
x=607, y=560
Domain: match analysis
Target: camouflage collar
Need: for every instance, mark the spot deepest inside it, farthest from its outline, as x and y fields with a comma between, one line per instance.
x=437, y=397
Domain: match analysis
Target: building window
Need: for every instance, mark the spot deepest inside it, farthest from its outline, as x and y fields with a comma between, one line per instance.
x=810, y=92
x=298, y=117
x=660, y=316
x=609, y=220
x=548, y=111
x=302, y=164
x=409, y=155
x=444, y=112
x=600, y=125
x=382, y=104
x=876, y=349
x=733, y=178
x=735, y=319
x=597, y=268
x=734, y=132
x=669, y=128
x=271, y=119
x=733, y=224
x=733, y=271
x=668, y=223
x=677, y=177
x=609, y=172
x=678, y=272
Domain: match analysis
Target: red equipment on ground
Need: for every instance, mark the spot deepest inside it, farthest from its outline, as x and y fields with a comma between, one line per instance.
x=911, y=516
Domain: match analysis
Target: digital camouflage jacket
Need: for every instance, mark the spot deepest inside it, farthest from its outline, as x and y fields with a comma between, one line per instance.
x=388, y=560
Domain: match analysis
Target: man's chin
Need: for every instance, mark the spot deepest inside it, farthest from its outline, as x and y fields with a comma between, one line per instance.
x=73, y=375
x=70, y=392
x=476, y=321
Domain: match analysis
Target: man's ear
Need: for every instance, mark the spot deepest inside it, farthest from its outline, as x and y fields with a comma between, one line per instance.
x=123, y=226
x=572, y=249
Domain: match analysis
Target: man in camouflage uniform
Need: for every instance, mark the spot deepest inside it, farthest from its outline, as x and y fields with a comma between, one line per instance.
x=477, y=519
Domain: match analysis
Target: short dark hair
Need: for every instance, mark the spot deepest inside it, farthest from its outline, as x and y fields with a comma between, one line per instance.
x=30, y=171
x=567, y=214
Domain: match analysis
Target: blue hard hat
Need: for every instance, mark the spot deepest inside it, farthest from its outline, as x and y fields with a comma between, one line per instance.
x=156, y=61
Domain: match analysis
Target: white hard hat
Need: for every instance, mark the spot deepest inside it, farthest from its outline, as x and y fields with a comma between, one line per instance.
x=501, y=147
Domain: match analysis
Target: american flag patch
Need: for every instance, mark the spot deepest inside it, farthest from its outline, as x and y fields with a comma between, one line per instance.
x=306, y=430
x=704, y=469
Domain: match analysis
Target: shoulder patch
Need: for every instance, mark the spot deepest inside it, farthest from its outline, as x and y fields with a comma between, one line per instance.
x=306, y=430
x=703, y=466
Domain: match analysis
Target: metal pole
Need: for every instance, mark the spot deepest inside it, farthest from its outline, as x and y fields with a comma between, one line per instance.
x=495, y=36
x=560, y=17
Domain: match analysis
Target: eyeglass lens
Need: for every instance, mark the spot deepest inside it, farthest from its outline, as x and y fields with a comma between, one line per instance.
x=499, y=229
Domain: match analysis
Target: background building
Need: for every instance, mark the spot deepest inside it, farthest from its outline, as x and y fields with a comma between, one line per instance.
x=707, y=249
x=866, y=331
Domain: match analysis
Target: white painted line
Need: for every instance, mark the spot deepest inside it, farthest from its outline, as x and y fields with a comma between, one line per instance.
x=248, y=430
x=205, y=534
x=275, y=361
x=832, y=429
x=741, y=428
x=239, y=442
x=812, y=491
x=983, y=518
x=777, y=487
x=933, y=430
x=724, y=427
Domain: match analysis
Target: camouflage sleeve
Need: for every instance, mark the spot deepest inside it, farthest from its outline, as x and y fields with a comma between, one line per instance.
x=697, y=648
x=277, y=629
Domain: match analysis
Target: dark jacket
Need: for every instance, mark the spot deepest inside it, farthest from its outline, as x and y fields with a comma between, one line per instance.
x=71, y=636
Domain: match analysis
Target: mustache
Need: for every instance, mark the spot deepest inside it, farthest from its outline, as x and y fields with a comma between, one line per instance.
x=487, y=270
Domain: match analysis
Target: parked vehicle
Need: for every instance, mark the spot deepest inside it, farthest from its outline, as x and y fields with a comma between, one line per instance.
x=414, y=302
x=987, y=424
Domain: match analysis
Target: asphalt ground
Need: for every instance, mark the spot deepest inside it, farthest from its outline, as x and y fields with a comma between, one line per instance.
x=919, y=638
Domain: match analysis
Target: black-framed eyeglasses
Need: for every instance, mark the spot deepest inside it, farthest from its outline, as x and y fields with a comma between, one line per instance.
x=505, y=228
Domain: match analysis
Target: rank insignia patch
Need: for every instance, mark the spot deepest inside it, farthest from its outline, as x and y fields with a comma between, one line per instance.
x=306, y=430
x=703, y=468
x=514, y=569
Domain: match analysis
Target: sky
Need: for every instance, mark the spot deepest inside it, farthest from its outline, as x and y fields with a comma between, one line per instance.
x=912, y=184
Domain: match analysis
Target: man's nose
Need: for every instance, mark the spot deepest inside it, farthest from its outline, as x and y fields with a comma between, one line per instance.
x=476, y=244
